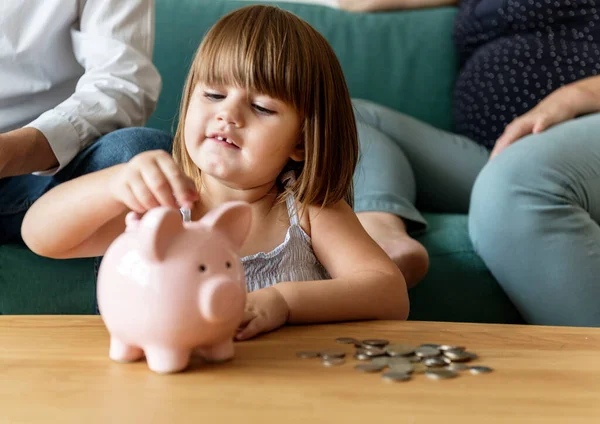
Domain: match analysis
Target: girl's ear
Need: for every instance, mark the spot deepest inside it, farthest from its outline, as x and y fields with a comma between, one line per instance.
x=298, y=153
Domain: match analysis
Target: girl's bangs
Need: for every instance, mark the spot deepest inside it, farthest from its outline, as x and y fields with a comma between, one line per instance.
x=254, y=58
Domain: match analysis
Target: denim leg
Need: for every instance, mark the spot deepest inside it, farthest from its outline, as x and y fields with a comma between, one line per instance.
x=405, y=161
x=17, y=194
x=381, y=165
x=534, y=220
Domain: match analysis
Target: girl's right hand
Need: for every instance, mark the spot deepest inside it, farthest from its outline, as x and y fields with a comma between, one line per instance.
x=153, y=179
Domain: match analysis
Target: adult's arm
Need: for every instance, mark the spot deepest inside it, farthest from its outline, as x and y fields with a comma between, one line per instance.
x=381, y=5
x=569, y=101
x=113, y=42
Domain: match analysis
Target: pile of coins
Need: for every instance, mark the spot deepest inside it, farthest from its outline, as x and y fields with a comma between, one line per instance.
x=399, y=362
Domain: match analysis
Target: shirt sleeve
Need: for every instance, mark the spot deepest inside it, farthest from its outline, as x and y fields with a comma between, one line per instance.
x=113, y=41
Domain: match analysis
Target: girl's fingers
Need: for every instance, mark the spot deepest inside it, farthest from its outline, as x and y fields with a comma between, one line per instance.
x=248, y=316
x=182, y=187
x=159, y=185
x=131, y=202
x=142, y=193
x=252, y=329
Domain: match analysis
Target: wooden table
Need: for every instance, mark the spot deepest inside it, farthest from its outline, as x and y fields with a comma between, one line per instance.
x=56, y=369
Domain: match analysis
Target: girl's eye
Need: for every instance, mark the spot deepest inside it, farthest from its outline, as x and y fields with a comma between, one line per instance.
x=262, y=110
x=213, y=96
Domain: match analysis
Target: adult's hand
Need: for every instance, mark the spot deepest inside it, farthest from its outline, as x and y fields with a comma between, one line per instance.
x=24, y=151
x=561, y=105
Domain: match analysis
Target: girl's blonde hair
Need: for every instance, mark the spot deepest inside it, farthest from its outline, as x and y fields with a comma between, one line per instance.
x=271, y=51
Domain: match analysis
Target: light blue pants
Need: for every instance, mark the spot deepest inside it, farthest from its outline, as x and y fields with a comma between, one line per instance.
x=533, y=210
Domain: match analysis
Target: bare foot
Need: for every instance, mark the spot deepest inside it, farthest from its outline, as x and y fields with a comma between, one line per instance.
x=389, y=231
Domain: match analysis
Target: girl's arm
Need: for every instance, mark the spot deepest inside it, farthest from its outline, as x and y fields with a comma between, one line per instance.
x=82, y=217
x=78, y=218
x=365, y=283
x=381, y=5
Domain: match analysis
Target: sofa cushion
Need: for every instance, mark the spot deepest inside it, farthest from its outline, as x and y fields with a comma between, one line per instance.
x=31, y=284
x=458, y=286
x=458, y=283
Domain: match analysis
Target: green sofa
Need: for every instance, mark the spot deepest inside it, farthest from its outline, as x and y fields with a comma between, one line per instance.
x=404, y=60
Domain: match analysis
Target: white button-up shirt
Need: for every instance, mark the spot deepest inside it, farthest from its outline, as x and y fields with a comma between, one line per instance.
x=76, y=69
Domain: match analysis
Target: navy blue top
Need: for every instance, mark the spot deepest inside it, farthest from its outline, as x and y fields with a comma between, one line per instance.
x=513, y=53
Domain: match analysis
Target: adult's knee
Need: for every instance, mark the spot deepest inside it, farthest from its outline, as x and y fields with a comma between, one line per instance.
x=366, y=112
x=121, y=145
x=514, y=193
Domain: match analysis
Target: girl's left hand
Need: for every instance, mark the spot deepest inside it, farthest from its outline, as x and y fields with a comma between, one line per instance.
x=561, y=105
x=266, y=310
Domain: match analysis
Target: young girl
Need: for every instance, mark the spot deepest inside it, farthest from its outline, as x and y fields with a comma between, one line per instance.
x=266, y=118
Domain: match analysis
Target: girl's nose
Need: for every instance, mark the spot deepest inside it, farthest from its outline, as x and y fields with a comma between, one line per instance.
x=230, y=116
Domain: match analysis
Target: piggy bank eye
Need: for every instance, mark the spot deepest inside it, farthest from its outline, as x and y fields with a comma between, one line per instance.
x=202, y=268
x=228, y=264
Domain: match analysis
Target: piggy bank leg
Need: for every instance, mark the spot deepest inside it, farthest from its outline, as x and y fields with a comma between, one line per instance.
x=122, y=352
x=164, y=361
x=221, y=352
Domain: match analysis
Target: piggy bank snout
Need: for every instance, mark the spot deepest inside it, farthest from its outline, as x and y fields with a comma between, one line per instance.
x=221, y=299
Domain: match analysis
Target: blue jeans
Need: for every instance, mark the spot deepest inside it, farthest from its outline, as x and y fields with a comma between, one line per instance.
x=534, y=211
x=19, y=193
x=534, y=219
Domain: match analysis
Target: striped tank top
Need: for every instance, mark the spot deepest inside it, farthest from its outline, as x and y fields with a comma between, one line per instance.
x=293, y=260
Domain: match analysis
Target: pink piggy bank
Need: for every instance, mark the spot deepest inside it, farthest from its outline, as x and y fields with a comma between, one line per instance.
x=168, y=288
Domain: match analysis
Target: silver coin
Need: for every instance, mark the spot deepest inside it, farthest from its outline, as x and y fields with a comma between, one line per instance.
x=451, y=347
x=381, y=360
x=369, y=367
x=480, y=369
x=375, y=342
x=426, y=351
x=420, y=368
x=457, y=366
x=362, y=356
x=472, y=355
x=399, y=350
x=333, y=362
x=432, y=345
x=328, y=354
x=405, y=368
x=453, y=352
x=307, y=354
x=414, y=359
x=374, y=352
x=397, y=360
x=434, y=362
x=347, y=340
x=440, y=374
x=395, y=376
x=459, y=356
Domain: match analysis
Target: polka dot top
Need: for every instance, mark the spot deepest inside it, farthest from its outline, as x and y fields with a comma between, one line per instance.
x=513, y=53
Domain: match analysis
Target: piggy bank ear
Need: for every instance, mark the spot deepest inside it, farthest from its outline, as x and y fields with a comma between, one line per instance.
x=132, y=221
x=232, y=219
x=157, y=228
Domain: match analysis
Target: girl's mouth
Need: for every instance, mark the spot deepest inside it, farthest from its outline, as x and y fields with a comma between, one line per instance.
x=224, y=141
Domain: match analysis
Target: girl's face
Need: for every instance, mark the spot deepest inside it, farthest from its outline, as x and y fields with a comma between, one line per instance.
x=240, y=137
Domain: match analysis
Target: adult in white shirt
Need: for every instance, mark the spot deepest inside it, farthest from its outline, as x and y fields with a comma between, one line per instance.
x=71, y=71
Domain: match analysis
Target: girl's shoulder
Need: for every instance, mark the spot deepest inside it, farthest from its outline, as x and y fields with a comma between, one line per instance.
x=317, y=215
x=311, y=213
